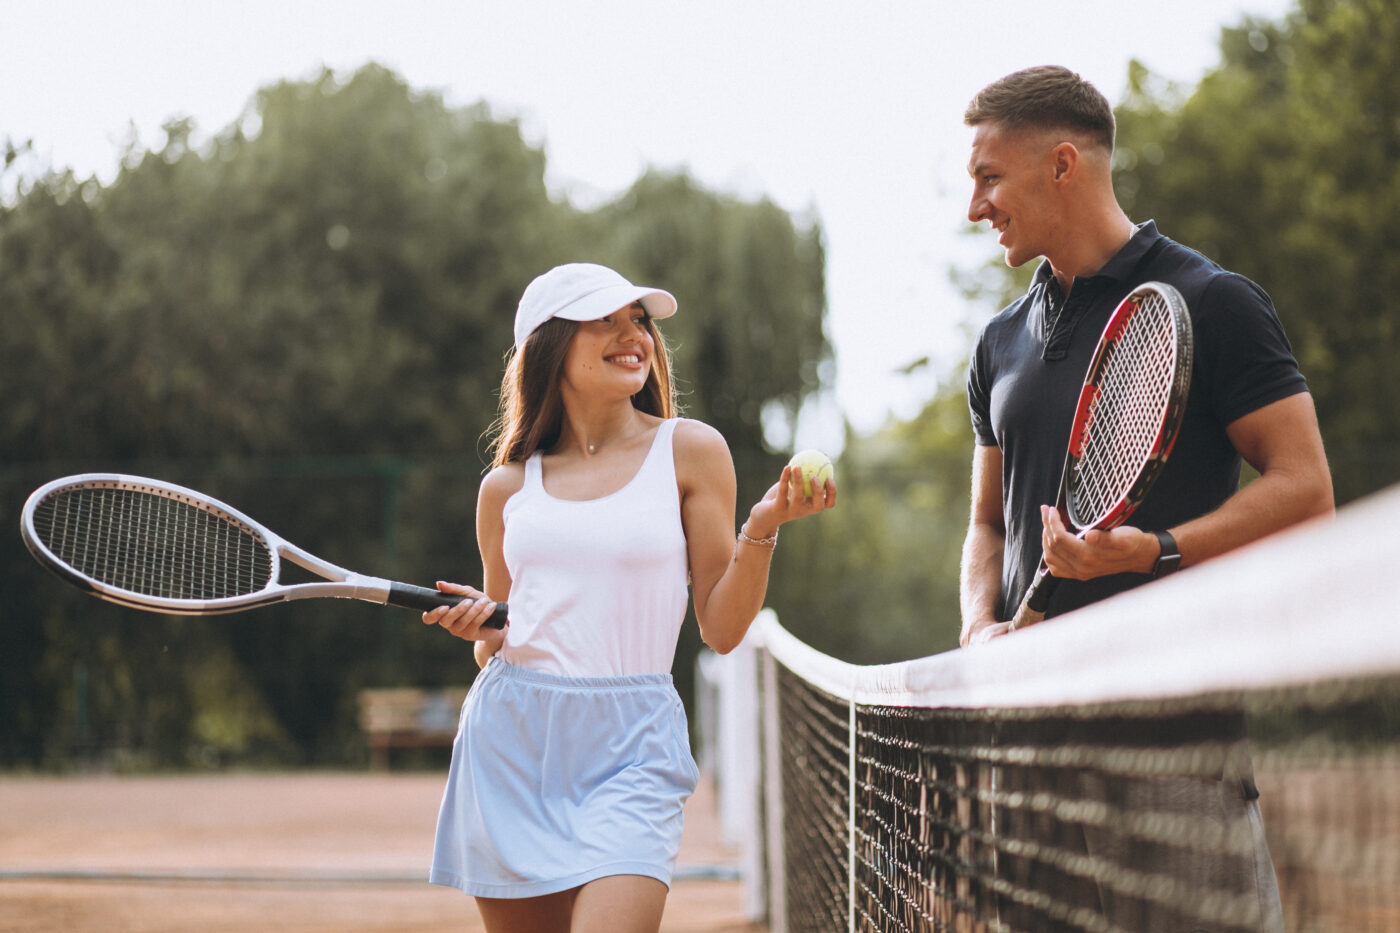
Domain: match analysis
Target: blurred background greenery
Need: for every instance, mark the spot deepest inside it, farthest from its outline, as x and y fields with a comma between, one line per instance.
x=308, y=320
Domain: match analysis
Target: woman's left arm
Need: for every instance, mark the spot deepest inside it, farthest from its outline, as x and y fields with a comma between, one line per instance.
x=729, y=577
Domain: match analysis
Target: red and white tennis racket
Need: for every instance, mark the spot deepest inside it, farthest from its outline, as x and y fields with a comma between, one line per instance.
x=1128, y=417
x=153, y=545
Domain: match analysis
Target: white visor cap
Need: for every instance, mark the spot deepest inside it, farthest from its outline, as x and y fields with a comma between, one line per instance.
x=583, y=291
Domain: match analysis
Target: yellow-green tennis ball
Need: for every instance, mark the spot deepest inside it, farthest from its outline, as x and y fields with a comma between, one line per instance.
x=816, y=470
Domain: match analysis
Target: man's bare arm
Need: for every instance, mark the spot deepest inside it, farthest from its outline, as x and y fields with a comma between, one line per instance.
x=979, y=582
x=1280, y=440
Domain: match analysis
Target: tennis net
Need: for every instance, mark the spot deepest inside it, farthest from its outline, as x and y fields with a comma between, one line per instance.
x=1109, y=771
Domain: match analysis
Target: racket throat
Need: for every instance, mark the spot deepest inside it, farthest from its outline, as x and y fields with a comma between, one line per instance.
x=312, y=573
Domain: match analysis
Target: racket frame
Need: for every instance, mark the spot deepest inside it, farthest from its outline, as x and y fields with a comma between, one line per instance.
x=338, y=582
x=1037, y=598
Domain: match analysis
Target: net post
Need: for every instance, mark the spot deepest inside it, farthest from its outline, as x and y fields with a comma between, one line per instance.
x=773, y=796
x=736, y=695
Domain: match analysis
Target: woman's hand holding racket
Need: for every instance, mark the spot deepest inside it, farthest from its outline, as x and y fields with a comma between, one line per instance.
x=470, y=619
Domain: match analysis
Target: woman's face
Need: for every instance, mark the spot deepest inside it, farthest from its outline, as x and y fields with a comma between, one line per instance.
x=611, y=354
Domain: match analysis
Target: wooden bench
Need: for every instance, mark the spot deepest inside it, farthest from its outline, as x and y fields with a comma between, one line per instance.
x=408, y=717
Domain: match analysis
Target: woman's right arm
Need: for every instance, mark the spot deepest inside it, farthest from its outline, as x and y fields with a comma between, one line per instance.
x=729, y=579
x=465, y=619
x=498, y=486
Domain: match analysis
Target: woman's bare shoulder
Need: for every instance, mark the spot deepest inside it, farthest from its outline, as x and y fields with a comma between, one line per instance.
x=698, y=438
x=502, y=482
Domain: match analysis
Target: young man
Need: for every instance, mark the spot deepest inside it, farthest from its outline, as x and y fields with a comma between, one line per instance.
x=1041, y=171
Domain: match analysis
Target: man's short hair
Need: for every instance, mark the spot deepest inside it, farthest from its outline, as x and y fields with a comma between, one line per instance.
x=1044, y=98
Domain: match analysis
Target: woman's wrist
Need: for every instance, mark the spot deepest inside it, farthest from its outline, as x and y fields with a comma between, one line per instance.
x=767, y=541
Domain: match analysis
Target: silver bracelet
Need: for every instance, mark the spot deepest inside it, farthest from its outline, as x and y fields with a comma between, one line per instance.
x=770, y=543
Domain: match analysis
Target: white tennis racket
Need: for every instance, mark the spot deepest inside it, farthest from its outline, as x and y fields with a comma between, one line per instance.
x=152, y=545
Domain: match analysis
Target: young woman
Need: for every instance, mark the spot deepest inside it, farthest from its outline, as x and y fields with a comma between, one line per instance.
x=572, y=764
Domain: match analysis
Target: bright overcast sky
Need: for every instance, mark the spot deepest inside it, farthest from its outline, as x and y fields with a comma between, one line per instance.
x=849, y=112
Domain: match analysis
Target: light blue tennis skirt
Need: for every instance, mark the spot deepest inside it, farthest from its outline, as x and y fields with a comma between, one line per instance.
x=557, y=781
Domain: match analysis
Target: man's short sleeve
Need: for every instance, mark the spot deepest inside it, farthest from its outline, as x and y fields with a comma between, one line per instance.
x=1242, y=354
x=979, y=402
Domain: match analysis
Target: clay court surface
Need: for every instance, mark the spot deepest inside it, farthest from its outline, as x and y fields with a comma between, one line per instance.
x=298, y=853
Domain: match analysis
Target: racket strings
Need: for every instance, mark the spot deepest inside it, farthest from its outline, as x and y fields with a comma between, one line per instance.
x=151, y=544
x=1125, y=418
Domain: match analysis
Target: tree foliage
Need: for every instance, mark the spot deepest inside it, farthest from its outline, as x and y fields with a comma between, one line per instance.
x=1284, y=165
x=307, y=316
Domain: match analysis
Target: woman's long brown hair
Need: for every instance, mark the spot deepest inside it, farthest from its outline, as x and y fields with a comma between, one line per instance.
x=532, y=409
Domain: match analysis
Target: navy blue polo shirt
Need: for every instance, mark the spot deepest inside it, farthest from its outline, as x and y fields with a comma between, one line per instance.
x=1029, y=364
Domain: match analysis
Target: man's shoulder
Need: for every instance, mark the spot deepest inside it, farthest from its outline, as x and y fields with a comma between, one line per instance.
x=1202, y=281
x=1011, y=317
x=1004, y=337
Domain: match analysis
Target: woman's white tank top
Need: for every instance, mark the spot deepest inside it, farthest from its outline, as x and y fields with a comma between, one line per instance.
x=598, y=587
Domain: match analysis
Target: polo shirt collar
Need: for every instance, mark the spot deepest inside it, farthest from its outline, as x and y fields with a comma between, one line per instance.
x=1045, y=292
x=1123, y=264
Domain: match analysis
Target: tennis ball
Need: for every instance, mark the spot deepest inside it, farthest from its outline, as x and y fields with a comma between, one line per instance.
x=816, y=470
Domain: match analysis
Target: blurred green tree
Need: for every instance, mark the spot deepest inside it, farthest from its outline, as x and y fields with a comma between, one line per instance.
x=1284, y=165
x=307, y=316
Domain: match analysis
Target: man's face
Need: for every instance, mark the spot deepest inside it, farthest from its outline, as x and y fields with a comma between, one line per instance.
x=1012, y=189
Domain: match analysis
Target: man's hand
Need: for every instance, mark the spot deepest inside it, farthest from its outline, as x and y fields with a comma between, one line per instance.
x=981, y=633
x=1098, y=553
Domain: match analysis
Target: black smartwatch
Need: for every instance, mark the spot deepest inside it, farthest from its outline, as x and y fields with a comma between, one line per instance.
x=1169, y=561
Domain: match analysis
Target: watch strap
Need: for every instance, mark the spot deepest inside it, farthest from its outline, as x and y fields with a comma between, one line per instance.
x=1169, y=560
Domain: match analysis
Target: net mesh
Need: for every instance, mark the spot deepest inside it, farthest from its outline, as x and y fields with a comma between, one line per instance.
x=815, y=768
x=1125, y=415
x=145, y=542
x=1107, y=817
x=1217, y=752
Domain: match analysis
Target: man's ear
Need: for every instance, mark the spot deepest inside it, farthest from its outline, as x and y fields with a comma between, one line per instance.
x=1064, y=160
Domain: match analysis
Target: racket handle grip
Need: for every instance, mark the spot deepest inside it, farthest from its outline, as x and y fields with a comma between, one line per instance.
x=408, y=596
x=1025, y=616
x=1032, y=608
